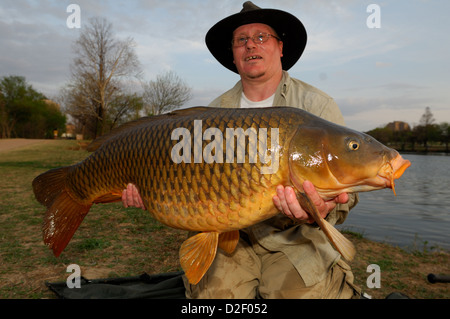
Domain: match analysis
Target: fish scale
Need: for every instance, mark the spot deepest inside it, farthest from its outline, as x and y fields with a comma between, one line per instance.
x=215, y=198
x=213, y=192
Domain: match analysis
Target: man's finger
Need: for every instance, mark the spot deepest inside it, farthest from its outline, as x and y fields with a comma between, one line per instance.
x=342, y=198
x=124, y=198
x=282, y=201
x=293, y=204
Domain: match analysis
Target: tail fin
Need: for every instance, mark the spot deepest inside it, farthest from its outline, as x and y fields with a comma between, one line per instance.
x=64, y=214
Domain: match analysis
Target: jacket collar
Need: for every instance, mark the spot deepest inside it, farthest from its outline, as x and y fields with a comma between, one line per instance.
x=232, y=99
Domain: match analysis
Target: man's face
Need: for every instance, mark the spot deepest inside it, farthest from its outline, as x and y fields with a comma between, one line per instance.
x=257, y=61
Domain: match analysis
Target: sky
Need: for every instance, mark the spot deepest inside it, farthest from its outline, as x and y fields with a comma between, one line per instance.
x=376, y=75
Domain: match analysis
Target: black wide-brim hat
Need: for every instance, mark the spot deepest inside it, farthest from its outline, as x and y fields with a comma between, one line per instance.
x=288, y=28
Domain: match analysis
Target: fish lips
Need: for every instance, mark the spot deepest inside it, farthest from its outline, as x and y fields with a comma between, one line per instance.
x=400, y=165
x=393, y=170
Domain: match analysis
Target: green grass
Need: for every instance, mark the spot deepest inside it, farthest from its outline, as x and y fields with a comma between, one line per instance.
x=401, y=270
x=111, y=241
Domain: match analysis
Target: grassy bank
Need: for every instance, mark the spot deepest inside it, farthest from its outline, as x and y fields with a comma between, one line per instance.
x=116, y=242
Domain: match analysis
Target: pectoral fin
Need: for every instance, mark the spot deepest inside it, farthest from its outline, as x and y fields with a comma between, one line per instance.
x=113, y=196
x=342, y=244
x=197, y=254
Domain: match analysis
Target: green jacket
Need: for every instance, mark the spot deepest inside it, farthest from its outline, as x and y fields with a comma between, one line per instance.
x=306, y=246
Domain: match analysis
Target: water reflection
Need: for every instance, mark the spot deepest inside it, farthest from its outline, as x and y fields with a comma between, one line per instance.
x=419, y=212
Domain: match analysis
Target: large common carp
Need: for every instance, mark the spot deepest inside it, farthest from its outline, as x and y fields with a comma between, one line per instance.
x=215, y=171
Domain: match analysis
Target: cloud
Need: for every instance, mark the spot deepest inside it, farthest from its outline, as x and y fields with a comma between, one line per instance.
x=383, y=64
x=402, y=86
x=34, y=52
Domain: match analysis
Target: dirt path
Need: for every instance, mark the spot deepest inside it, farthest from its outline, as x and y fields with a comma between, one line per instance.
x=7, y=144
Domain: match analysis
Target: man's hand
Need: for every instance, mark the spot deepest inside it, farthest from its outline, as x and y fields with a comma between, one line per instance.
x=286, y=201
x=131, y=197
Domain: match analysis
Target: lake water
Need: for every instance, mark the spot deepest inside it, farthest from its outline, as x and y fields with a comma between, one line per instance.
x=419, y=214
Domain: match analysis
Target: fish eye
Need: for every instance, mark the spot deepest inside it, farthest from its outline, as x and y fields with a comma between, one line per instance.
x=353, y=145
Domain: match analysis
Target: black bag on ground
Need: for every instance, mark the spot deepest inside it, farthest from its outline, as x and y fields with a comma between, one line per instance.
x=159, y=286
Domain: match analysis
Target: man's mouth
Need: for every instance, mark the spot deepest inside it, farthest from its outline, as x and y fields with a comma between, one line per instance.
x=253, y=57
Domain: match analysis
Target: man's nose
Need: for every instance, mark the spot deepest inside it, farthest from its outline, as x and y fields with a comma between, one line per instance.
x=250, y=44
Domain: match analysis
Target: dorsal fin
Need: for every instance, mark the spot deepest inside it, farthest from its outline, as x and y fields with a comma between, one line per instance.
x=95, y=144
x=189, y=111
x=143, y=121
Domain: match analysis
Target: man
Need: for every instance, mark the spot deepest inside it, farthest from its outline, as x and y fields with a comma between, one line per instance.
x=285, y=256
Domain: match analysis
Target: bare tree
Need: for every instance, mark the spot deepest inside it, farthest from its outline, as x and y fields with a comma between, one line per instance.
x=427, y=117
x=102, y=62
x=164, y=94
x=426, y=129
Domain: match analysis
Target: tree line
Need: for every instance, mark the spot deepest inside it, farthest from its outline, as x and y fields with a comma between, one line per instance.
x=105, y=90
x=25, y=112
x=424, y=137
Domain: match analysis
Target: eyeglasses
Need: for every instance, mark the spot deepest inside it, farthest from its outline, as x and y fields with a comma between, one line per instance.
x=258, y=38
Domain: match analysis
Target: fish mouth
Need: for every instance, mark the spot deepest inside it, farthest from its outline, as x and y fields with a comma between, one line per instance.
x=392, y=170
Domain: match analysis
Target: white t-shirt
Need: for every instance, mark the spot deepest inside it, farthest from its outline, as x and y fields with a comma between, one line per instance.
x=246, y=103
